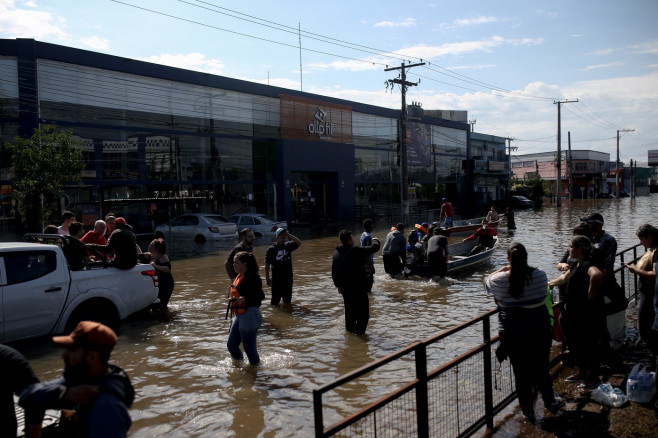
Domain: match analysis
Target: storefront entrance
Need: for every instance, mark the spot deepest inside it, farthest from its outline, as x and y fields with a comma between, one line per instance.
x=312, y=195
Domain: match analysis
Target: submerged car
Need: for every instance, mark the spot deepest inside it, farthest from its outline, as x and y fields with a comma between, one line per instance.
x=260, y=224
x=520, y=202
x=199, y=227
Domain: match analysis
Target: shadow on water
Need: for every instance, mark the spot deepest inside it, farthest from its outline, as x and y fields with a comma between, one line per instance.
x=187, y=386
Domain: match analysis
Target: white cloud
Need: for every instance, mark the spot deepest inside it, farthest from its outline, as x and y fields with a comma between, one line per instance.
x=602, y=66
x=475, y=21
x=603, y=52
x=26, y=23
x=409, y=22
x=648, y=48
x=190, y=61
x=95, y=43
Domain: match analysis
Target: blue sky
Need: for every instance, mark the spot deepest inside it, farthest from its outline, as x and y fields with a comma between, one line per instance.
x=506, y=63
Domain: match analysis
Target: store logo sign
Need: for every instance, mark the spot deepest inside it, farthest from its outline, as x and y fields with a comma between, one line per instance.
x=319, y=126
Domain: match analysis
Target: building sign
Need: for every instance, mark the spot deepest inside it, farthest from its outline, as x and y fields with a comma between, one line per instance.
x=418, y=144
x=496, y=166
x=308, y=119
x=653, y=158
x=486, y=181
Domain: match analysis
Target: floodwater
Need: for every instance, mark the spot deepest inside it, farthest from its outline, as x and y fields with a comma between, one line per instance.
x=187, y=385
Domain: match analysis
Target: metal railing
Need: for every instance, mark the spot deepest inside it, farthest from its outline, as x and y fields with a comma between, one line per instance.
x=455, y=399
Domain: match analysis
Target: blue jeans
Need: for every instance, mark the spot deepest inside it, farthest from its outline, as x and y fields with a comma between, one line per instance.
x=244, y=330
x=448, y=222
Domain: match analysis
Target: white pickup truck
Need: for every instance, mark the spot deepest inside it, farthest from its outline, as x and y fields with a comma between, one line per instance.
x=40, y=295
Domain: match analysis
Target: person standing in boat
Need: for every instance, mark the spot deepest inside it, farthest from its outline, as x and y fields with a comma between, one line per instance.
x=447, y=211
x=525, y=330
x=394, y=253
x=485, y=236
x=350, y=276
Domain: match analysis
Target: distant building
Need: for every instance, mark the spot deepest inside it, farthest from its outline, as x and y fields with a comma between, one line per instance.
x=589, y=170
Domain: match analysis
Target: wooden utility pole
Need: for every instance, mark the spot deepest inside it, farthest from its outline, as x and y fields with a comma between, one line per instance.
x=404, y=166
x=559, y=152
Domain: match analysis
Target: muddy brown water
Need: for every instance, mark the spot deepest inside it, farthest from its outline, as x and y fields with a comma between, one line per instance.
x=187, y=385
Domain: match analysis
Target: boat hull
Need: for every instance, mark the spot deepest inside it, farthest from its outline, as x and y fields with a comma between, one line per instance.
x=467, y=227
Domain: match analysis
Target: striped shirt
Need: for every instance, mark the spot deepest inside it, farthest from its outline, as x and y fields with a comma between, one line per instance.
x=534, y=290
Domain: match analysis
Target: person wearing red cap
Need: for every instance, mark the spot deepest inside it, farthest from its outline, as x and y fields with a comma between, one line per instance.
x=98, y=393
x=124, y=244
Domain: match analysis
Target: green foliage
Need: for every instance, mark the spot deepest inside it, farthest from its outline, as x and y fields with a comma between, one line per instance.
x=43, y=164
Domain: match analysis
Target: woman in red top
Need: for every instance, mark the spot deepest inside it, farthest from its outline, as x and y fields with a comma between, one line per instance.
x=246, y=297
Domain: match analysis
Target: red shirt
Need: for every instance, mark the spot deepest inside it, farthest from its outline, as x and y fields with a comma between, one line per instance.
x=92, y=237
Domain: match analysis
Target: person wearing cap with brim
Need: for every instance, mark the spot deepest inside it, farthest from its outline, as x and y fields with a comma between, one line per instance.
x=94, y=395
x=124, y=244
x=604, y=242
x=447, y=212
x=278, y=262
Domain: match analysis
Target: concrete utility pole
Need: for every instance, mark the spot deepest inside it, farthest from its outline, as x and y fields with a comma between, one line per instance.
x=617, y=171
x=559, y=152
x=472, y=123
x=569, y=165
x=404, y=167
x=509, y=158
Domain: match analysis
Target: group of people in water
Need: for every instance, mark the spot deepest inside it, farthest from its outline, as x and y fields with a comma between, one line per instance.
x=112, y=242
x=587, y=277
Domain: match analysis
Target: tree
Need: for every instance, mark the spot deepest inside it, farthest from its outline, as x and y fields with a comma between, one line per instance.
x=42, y=165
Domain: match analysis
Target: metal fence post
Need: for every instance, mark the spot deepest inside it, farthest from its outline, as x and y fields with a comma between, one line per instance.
x=422, y=411
x=488, y=387
x=317, y=413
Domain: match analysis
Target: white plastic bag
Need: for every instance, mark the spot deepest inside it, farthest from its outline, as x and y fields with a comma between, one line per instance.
x=607, y=395
x=641, y=385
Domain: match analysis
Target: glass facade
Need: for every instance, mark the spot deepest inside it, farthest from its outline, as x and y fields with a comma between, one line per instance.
x=150, y=139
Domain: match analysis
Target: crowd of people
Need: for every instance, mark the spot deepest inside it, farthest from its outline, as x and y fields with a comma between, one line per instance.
x=586, y=281
x=101, y=393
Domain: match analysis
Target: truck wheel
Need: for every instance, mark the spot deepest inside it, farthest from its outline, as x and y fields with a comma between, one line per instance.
x=199, y=239
x=102, y=312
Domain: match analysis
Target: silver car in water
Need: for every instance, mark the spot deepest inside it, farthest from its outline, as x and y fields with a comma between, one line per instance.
x=261, y=224
x=199, y=227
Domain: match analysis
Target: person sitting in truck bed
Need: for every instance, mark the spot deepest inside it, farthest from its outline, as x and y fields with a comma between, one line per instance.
x=74, y=250
x=124, y=244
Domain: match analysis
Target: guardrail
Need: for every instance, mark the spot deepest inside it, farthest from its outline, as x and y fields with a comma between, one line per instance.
x=455, y=399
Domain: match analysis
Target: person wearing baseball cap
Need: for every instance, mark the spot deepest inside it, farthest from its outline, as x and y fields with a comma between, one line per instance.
x=93, y=394
x=278, y=260
x=604, y=242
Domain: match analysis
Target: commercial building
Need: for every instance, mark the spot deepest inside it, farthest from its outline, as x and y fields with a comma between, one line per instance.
x=160, y=140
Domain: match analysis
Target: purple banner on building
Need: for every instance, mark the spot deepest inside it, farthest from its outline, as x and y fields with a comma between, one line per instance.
x=418, y=145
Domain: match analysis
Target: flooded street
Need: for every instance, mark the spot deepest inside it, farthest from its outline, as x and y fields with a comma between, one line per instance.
x=187, y=385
